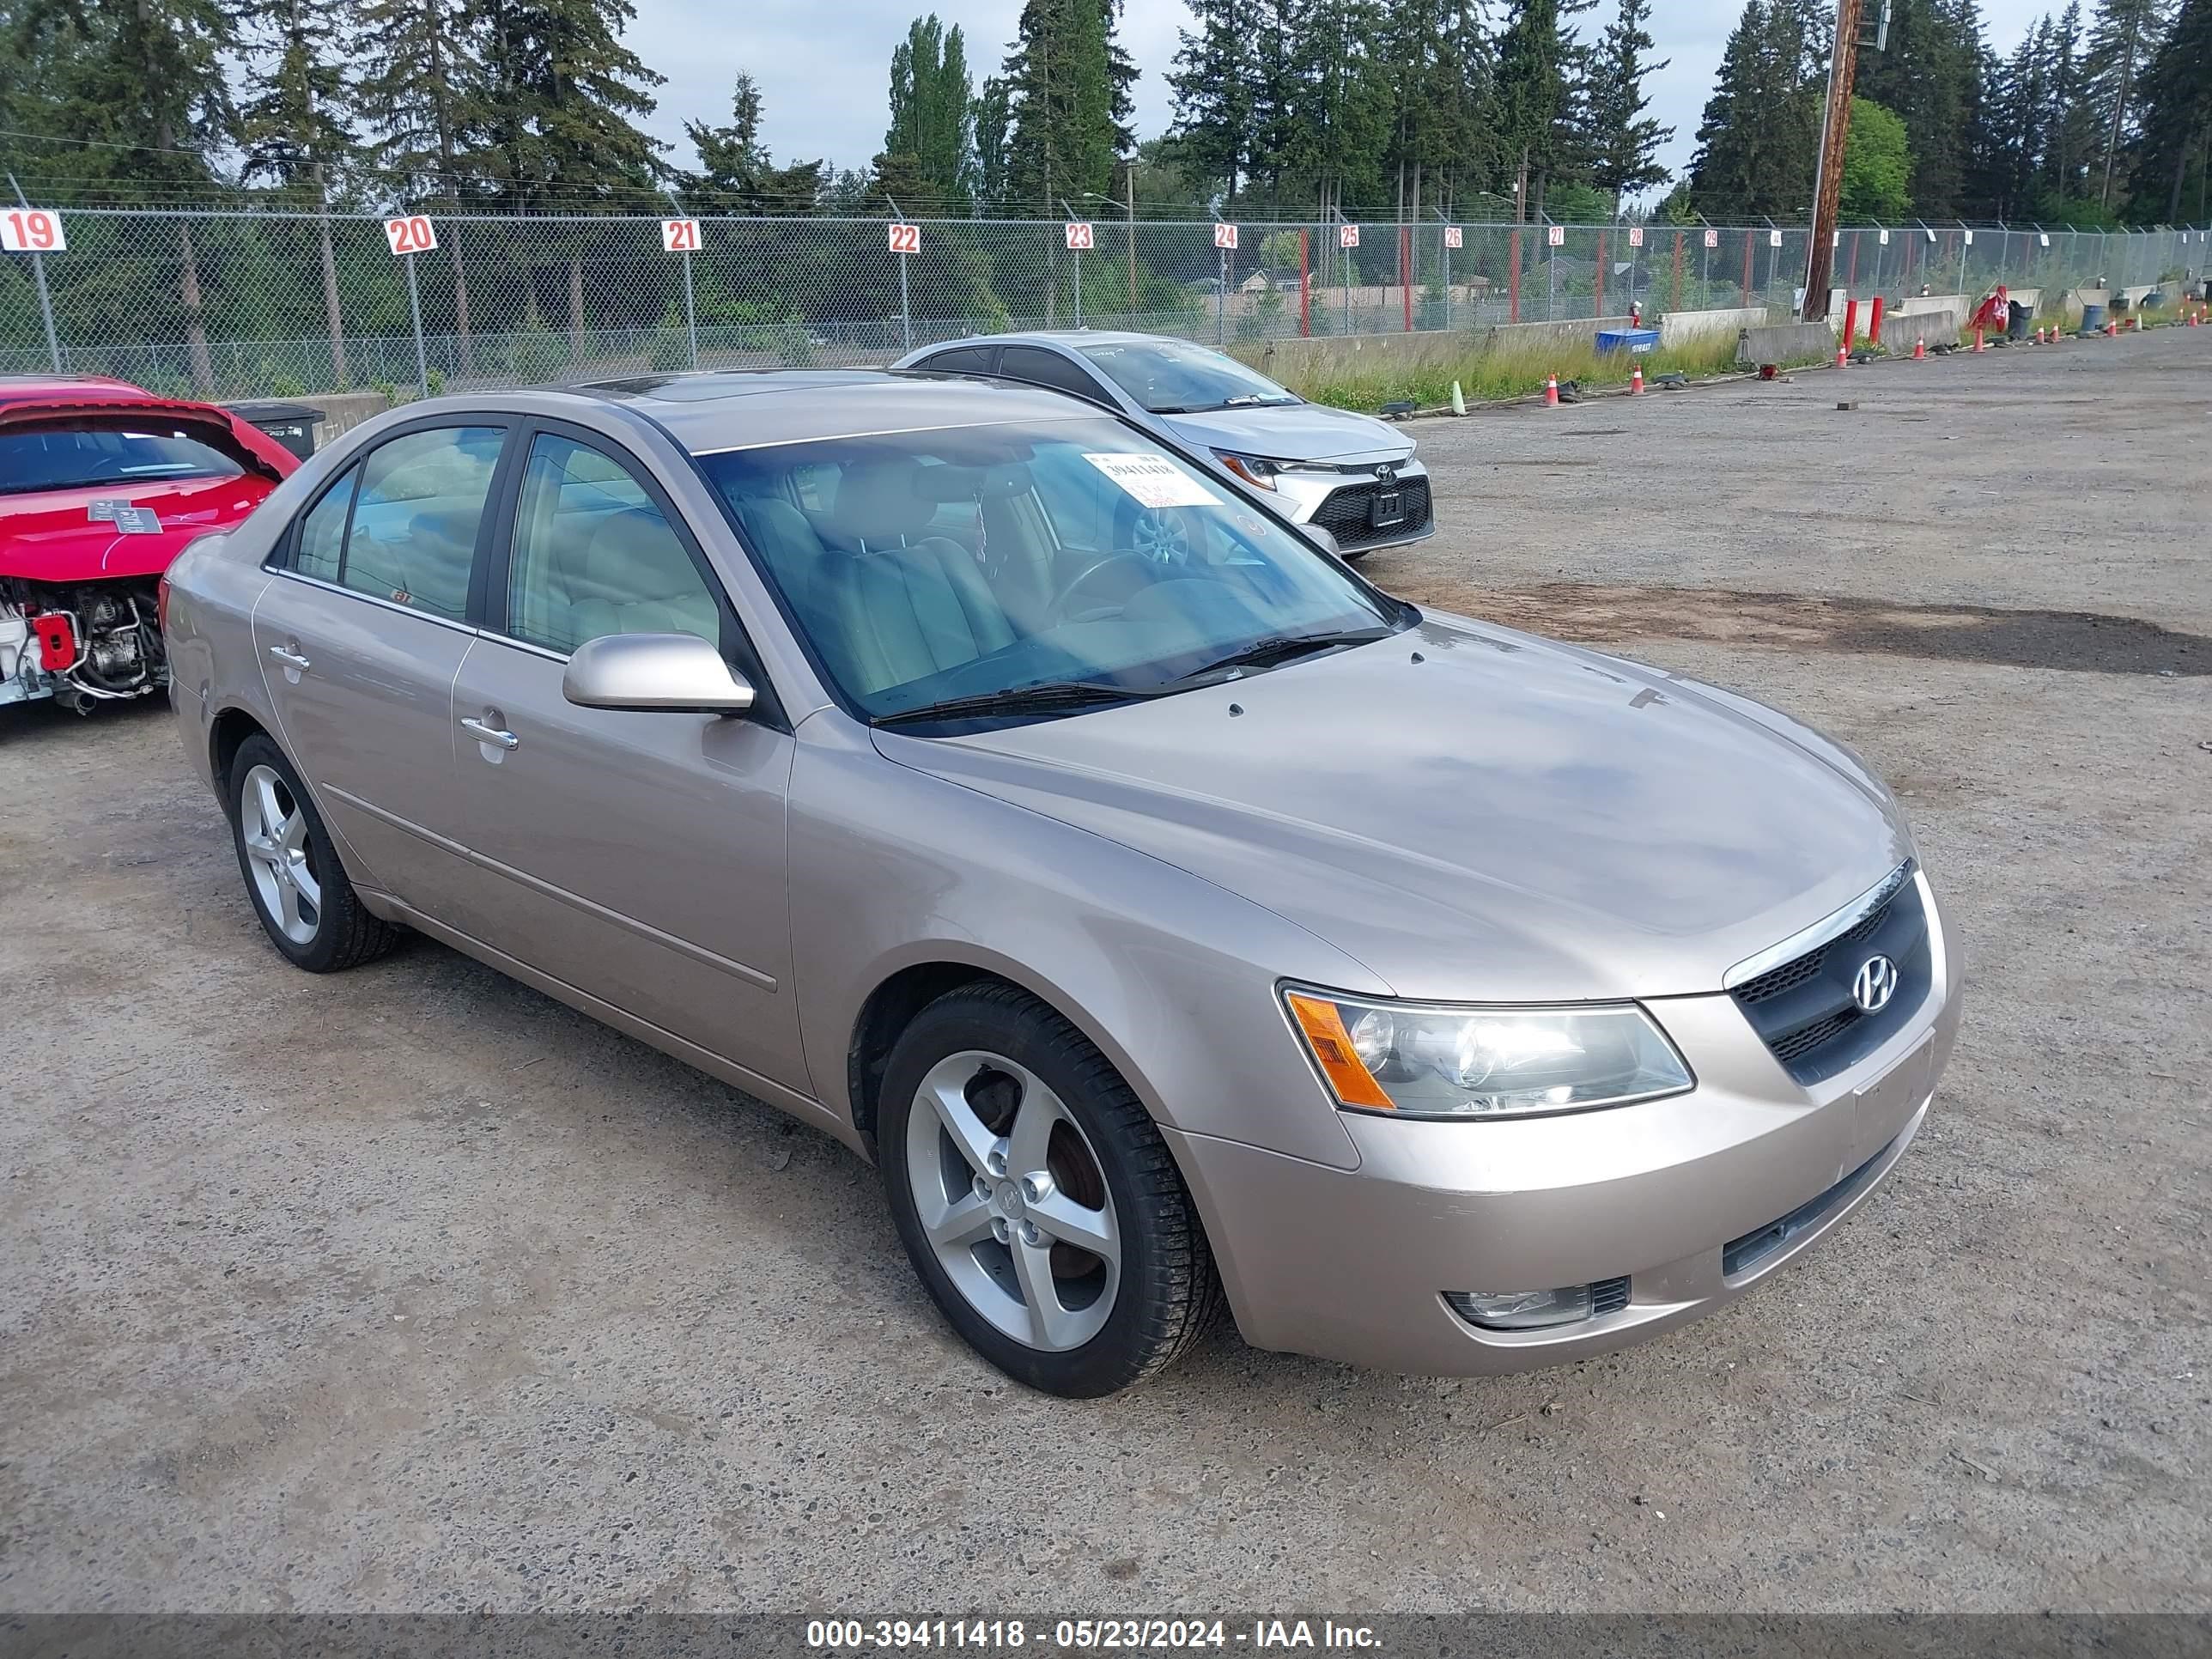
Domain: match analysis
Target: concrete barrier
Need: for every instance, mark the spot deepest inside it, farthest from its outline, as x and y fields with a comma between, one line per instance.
x=342, y=411
x=1915, y=305
x=1937, y=326
x=1678, y=328
x=1786, y=343
x=1323, y=355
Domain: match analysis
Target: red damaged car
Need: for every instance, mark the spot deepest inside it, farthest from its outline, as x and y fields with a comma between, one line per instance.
x=102, y=485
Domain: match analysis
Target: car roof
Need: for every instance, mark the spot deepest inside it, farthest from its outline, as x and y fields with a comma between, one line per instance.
x=741, y=409
x=50, y=388
x=1070, y=339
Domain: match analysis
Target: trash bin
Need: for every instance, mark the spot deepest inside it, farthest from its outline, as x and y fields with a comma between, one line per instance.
x=2017, y=319
x=1634, y=341
x=2093, y=319
x=292, y=425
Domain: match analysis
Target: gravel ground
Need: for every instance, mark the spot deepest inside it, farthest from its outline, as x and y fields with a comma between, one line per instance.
x=409, y=1289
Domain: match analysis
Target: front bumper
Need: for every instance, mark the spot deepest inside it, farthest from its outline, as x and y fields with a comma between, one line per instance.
x=1693, y=1198
x=1342, y=501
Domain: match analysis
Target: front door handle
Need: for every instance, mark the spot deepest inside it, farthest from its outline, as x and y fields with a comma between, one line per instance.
x=484, y=733
x=290, y=658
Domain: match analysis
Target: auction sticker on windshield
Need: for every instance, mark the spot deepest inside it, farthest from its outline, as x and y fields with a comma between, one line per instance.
x=1153, y=482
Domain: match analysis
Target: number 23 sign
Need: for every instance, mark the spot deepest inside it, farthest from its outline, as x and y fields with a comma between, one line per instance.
x=31, y=230
x=412, y=234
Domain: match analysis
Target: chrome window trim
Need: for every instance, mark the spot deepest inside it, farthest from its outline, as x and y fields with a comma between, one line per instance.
x=901, y=431
x=1831, y=926
x=290, y=574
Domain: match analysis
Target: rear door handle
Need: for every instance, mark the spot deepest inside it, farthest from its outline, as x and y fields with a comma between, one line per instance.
x=293, y=658
x=483, y=733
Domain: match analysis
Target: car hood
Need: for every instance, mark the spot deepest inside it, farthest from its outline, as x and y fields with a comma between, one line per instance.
x=52, y=537
x=1293, y=432
x=1470, y=812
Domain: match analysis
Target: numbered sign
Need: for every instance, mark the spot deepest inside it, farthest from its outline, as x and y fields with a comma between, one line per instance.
x=1224, y=236
x=1882, y=238
x=1453, y=237
x=1557, y=235
x=1774, y=238
x=679, y=235
x=1970, y=239
x=2043, y=237
x=1636, y=236
x=1347, y=235
x=1835, y=239
x=903, y=239
x=413, y=234
x=1081, y=236
x=1712, y=239
x=32, y=230
x=1931, y=235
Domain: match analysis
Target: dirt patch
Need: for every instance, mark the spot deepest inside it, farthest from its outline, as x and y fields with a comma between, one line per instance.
x=2084, y=640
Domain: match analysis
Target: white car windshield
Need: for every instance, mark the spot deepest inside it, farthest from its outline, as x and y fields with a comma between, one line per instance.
x=1013, y=571
x=1174, y=377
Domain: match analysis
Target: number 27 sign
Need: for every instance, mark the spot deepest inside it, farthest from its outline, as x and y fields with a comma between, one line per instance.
x=31, y=230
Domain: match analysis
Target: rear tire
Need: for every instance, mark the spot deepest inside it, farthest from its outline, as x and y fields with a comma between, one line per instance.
x=298, y=889
x=985, y=1082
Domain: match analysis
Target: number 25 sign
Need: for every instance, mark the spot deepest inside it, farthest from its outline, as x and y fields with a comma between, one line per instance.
x=412, y=234
x=31, y=230
x=905, y=238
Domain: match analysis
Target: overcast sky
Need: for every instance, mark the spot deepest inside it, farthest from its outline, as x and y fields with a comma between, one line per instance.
x=823, y=65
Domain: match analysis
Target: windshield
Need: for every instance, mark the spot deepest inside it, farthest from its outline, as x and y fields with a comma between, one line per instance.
x=1174, y=377
x=65, y=457
x=930, y=568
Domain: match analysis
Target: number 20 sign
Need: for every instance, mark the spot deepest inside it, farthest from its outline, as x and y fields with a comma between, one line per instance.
x=31, y=230
x=412, y=234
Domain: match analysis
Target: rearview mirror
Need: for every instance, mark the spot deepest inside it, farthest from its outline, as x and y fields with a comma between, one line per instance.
x=670, y=673
x=1321, y=538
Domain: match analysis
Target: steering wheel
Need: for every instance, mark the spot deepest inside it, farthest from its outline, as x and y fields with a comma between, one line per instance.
x=1059, y=606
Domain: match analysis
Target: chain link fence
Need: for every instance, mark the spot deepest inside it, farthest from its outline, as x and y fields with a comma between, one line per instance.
x=234, y=305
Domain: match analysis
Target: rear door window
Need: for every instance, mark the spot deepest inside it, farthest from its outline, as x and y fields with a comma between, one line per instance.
x=420, y=504
x=322, y=532
x=1049, y=369
x=962, y=360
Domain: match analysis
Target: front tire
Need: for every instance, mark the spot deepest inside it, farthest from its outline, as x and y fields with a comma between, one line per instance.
x=1036, y=1199
x=300, y=891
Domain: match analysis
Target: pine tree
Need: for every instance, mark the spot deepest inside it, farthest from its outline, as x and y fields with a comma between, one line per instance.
x=992, y=116
x=295, y=129
x=1213, y=129
x=735, y=174
x=1340, y=128
x=424, y=94
x=2126, y=33
x=2175, y=96
x=1536, y=88
x=931, y=113
x=1062, y=132
x=1624, y=142
x=2072, y=137
x=1932, y=77
x=1760, y=133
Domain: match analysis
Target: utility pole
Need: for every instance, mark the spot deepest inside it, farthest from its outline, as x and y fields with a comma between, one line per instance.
x=1828, y=174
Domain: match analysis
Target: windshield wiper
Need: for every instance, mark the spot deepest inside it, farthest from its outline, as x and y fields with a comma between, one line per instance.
x=1281, y=648
x=1043, y=698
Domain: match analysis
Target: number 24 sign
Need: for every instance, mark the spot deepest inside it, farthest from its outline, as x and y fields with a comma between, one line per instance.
x=31, y=230
x=412, y=234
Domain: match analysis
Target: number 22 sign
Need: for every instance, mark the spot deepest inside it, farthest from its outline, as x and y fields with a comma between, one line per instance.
x=412, y=234
x=31, y=230
x=904, y=239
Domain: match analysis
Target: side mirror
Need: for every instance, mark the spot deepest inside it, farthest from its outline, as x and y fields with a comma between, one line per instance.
x=670, y=673
x=1322, y=537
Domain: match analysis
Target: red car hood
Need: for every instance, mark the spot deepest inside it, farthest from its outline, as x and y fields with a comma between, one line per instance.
x=50, y=538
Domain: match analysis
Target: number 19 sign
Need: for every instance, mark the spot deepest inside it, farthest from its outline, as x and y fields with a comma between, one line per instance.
x=413, y=234
x=31, y=230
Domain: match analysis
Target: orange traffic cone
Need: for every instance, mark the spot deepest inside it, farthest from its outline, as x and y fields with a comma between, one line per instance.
x=1635, y=381
x=1920, y=348
x=1552, y=392
x=1979, y=346
x=1843, y=356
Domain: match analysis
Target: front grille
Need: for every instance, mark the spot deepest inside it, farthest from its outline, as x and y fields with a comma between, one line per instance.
x=1348, y=514
x=1804, y=1010
x=1609, y=1296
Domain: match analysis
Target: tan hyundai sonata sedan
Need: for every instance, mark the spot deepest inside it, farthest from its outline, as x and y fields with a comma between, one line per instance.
x=1170, y=927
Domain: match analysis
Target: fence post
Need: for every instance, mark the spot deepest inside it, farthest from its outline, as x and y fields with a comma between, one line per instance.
x=906, y=314
x=1513, y=277
x=1675, y=303
x=1305, y=285
x=690, y=316
x=414, y=308
x=1597, y=279
x=38, y=277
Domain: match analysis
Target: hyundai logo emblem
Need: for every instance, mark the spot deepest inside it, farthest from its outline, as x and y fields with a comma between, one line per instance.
x=1875, y=985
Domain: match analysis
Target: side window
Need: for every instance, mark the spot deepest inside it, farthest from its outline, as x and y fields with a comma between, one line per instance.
x=962, y=359
x=322, y=532
x=414, y=534
x=1049, y=369
x=593, y=555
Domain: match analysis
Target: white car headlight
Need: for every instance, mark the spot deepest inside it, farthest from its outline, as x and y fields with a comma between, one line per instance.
x=1432, y=1060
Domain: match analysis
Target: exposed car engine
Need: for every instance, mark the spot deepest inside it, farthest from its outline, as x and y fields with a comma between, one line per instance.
x=82, y=645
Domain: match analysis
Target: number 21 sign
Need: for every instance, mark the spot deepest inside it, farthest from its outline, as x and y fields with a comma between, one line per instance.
x=31, y=230
x=679, y=235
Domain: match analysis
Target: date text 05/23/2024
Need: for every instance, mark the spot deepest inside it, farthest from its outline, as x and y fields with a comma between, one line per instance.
x=1089, y=1635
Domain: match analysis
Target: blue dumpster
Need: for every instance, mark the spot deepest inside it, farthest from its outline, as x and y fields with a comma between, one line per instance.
x=1634, y=341
x=2093, y=319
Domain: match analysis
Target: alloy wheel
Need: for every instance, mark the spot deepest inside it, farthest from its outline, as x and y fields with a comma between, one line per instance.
x=1161, y=535
x=273, y=827
x=1012, y=1201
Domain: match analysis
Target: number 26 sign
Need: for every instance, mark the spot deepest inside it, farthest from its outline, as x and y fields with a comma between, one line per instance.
x=412, y=234
x=31, y=230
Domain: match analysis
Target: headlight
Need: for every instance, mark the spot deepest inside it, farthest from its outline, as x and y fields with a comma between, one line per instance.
x=1253, y=469
x=1437, y=1061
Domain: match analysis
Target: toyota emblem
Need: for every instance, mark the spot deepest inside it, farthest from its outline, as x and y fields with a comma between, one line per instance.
x=1875, y=985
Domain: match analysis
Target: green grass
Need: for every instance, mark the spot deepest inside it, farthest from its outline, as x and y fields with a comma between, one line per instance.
x=1500, y=373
